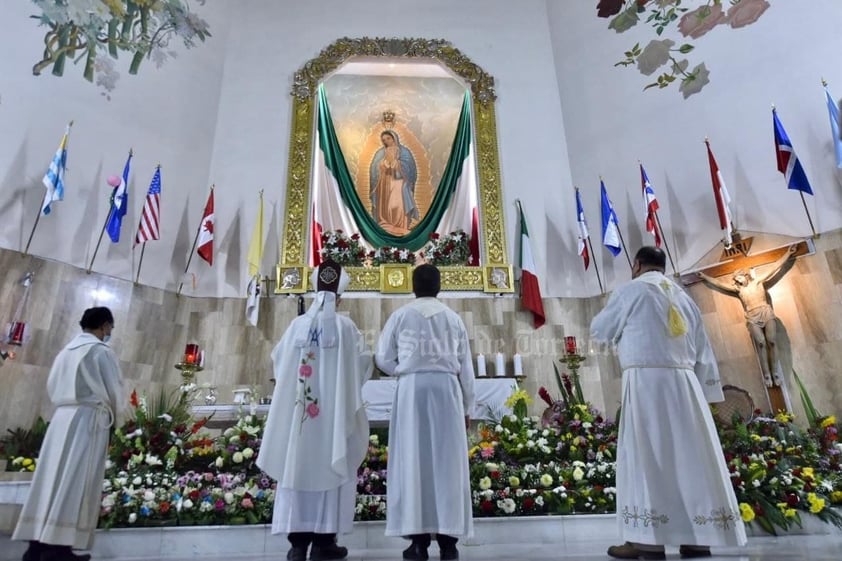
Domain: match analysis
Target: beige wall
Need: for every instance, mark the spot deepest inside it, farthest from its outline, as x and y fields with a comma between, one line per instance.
x=153, y=326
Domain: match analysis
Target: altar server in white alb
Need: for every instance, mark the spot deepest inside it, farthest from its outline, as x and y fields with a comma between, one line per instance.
x=86, y=388
x=317, y=432
x=673, y=486
x=425, y=344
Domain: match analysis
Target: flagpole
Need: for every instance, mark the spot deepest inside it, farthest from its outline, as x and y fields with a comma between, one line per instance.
x=809, y=218
x=99, y=241
x=623, y=244
x=595, y=266
x=38, y=218
x=190, y=257
x=666, y=246
x=140, y=263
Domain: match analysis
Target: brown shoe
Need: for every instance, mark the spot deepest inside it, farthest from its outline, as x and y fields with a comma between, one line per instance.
x=690, y=551
x=630, y=551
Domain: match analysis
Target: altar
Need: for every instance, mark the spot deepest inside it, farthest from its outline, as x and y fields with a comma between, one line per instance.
x=491, y=395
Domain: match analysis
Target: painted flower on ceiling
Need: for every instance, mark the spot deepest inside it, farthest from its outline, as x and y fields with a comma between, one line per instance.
x=692, y=18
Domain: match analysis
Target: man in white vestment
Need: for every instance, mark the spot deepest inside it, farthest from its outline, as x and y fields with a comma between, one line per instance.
x=425, y=344
x=317, y=432
x=86, y=388
x=673, y=486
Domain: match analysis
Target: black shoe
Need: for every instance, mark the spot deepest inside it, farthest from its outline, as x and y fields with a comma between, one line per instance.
x=297, y=554
x=33, y=553
x=415, y=552
x=328, y=552
x=691, y=551
x=61, y=553
x=449, y=554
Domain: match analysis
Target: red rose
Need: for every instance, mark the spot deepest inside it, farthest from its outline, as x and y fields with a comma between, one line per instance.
x=372, y=508
x=607, y=8
x=792, y=499
x=194, y=495
x=494, y=475
x=434, y=236
x=528, y=503
x=758, y=510
x=796, y=472
x=165, y=507
x=355, y=237
x=487, y=507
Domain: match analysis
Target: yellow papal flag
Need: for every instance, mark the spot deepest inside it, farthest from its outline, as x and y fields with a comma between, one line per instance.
x=255, y=256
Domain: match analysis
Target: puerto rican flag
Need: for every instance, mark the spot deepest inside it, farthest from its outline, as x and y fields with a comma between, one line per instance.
x=652, y=206
x=583, y=231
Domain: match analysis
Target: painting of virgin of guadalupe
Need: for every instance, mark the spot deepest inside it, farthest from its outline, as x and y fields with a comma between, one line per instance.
x=392, y=176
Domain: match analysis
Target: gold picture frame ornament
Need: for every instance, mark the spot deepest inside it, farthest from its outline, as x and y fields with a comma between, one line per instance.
x=293, y=252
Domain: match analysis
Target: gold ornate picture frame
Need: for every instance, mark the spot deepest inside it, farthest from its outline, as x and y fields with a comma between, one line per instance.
x=293, y=252
x=292, y=279
x=498, y=279
x=396, y=278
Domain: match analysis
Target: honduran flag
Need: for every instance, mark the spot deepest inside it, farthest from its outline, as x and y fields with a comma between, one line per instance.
x=652, y=206
x=788, y=163
x=530, y=290
x=610, y=225
x=583, y=231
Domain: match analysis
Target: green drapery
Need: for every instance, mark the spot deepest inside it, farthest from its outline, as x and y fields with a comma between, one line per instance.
x=369, y=228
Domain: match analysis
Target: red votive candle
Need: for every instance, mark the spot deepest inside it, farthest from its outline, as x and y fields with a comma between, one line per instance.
x=570, y=345
x=16, y=332
x=191, y=354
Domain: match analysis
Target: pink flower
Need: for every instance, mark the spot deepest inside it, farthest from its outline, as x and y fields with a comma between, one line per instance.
x=305, y=370
x=247, y=503
x=313, y=410
x=701, y=20
x=487, y=453
x=746, y=12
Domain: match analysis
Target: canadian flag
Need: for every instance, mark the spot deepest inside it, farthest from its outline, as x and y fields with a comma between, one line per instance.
x=204, y=241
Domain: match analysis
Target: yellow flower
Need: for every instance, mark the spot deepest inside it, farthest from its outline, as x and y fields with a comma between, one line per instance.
x=828, y=421
x=784, y=417
x=485, y=483
x=546, y=480
x=518, y=395
x=473, y=451
x=31, y=467
x=789, y=513
x=836, y=497
x=26, y=462
x=746, y=512
x=816, y=504
x=807, y=472
x=755, y=437
x=514, y=481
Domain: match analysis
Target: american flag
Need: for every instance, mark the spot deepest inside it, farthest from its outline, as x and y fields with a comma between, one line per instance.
x=150, y=221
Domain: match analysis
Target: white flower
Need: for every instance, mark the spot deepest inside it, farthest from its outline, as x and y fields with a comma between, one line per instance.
x=403, y=254
x=167, y=418
x=137, y=480
x=228, y=497
x=237, y=457
x=513, y=418
x=546, y=480
x=539, y=500
x=485, y=483
x=108, y=501
x=132, y=518
x=545, y=432
x=530, y=444
x=248, y=453
x=506, y=505
x=234, y=439
x=756, y=483
x=249, y=419
x=578, y=474
x=374, y=439
x=148, y=496
x=228, y=432
x=106, y=485
x=491, y=466
x=187, y=504
x=205, y=506
x=152, y=460
x=219, y=462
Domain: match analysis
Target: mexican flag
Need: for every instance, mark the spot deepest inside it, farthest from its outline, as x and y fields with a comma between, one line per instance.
x=530, y=291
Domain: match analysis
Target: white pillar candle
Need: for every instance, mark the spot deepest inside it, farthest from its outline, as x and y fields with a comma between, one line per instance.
x=481, y=365
x=518, y=364
x=500, y=364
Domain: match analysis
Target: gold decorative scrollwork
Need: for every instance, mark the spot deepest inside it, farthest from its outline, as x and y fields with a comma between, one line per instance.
x=305, y=82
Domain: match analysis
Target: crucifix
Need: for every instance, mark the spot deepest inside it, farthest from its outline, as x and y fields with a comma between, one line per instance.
x=752, y=291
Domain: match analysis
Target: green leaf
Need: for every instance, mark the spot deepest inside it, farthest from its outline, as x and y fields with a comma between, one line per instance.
x=685, y=48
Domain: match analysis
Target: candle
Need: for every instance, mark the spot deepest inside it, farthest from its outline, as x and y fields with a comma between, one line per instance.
x=16, y=333
x=481, y=365
x=191, y=353
x=570, y=345
x=500, y=364
x=518, y=364
x=201, y=358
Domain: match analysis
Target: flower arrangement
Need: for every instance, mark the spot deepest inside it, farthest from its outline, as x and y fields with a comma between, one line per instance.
x=91, y=29
x=239, y=446
x=450, y=249
x=390, y=255
x=346, y=250
x=22, y=464
x=691, y=22
x=21, y=446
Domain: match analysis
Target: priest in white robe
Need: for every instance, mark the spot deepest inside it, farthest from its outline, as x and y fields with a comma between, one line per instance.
x=317, y=432
x=85, y=386
x=673, y=486
x=425, y=344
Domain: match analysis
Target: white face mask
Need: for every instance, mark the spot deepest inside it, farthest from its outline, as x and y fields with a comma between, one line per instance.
x=106, y=338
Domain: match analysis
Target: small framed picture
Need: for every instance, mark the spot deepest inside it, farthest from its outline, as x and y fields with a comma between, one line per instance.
x=498, y=279
x=396, y=278
x=291, y=279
